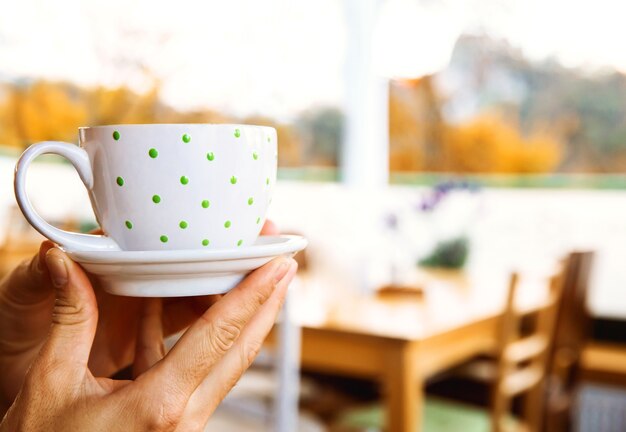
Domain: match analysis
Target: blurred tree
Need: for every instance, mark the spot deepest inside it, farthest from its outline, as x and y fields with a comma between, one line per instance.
x=289, y=143
x=120, y=105
x=41, y=110
x=585, y=108
x=415, y=125
x=48, y=111
x=595, y=106
x=320, y=131
x=289, y=146
x=9, y=133
x=488, y=143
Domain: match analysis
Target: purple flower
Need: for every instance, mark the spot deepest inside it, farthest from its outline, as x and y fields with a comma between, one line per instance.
x=438, y=192
x=391, y=221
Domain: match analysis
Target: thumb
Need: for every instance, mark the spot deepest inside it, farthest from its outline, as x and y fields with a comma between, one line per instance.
x=75, y=313
x=28, y=284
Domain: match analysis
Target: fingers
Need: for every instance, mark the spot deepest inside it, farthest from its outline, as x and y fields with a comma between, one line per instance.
x=214, y=334
x=179, y=313
x=229, y=369
x=28, y=283
x=269, y=228
x=75, y=314
x=149, y=347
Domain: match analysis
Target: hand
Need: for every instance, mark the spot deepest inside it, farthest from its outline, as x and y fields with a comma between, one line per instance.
x=26, y=304
x=177, y=391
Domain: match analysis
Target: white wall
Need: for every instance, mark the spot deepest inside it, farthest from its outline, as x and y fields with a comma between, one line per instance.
x=515, y=229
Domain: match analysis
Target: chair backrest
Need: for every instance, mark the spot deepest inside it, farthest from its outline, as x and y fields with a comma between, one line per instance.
x=573, y=321
x=570, y=336
x=522, y=360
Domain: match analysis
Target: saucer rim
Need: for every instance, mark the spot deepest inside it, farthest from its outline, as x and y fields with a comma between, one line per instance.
x=286, y=243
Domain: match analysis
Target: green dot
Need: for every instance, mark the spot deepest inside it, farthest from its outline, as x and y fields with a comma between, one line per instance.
x=237, y=133
x=233, y=180
x=255, y=156
x=240, y=242
x=205, y=204
x=183, y=224
x=164, y=239
x=250, y=201
x=186, y=138
x=153, y=153
x=210, y=156
x=227, y=224
x=184, y=180
x=268, y=139
x=129, y=224
x=156, y=199
x=205, y=242
x=116, y=135
x=267, y=181
x=258, y=220
x=120, y=181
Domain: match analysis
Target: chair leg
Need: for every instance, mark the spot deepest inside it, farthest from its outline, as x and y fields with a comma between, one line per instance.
x=533, y=409
x=501, y=405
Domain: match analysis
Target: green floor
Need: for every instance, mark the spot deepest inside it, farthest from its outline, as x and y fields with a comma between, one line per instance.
x=439, y=416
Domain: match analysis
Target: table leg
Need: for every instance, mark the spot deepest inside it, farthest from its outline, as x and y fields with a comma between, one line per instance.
x=404, y=391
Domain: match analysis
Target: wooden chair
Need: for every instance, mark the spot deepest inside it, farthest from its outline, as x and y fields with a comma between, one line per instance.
x=564, y=357
x=518, y=368
x=571, y=335
x=521, y=361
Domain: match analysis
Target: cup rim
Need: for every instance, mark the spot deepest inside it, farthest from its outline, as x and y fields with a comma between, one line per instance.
x=140, y=125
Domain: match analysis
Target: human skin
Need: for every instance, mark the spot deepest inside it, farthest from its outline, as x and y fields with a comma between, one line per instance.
x=61, y=337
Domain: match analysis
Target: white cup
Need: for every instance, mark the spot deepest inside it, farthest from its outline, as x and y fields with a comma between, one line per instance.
x=165, y=186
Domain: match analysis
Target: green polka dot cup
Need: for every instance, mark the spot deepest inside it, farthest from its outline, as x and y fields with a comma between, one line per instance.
x=165, y=187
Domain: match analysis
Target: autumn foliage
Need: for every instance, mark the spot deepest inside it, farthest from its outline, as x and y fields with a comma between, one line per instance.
x=420, y=137
x=39, y=112
x=422, y=140
x=490, y=144
x=45, y=110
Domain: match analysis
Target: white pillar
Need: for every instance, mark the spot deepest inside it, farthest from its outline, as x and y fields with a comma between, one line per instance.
x=288, y=370
x=365, y=150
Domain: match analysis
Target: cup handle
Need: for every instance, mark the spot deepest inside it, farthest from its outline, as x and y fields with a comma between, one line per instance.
x=78, y=157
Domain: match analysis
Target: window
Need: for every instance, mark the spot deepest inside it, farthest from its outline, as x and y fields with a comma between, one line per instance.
x=275, y=62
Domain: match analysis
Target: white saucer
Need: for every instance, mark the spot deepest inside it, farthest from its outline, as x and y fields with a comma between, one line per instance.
x=182, y=272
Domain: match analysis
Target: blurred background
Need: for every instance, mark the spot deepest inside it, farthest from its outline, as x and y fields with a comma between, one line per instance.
x=429, y=150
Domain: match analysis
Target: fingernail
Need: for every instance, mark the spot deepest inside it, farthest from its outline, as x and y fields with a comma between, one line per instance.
x=57, y=268
x=40, y=265
x=37, y=265
x=282, y=270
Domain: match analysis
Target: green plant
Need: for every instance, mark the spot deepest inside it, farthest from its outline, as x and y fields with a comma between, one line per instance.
x=450, y=254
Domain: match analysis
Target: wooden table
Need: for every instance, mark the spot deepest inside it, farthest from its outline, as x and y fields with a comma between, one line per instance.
x=605, y=363
x=403, y=342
